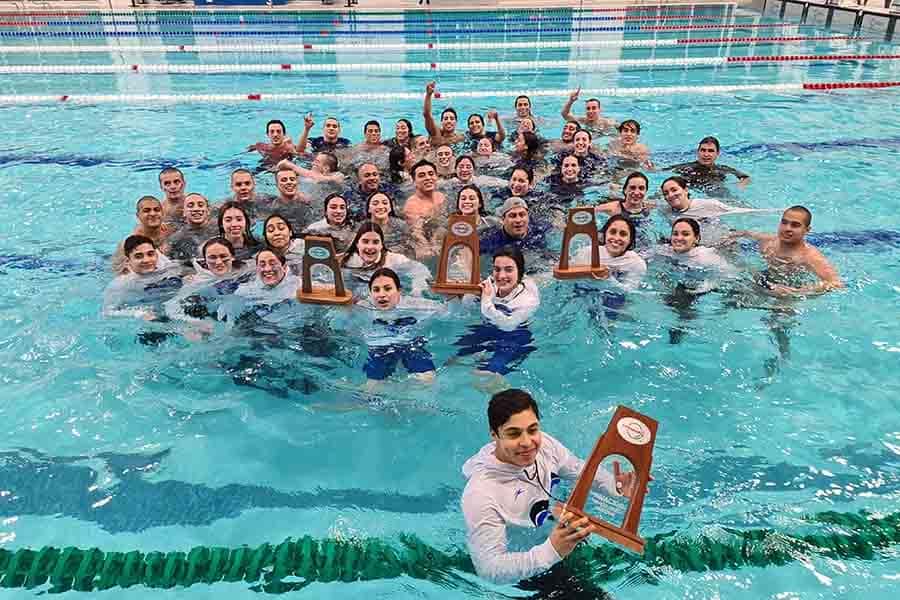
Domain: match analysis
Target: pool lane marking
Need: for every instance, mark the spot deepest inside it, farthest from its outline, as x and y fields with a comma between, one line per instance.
x=125, y=99
x=376, y=33
x=423, y=46
x=469, y=66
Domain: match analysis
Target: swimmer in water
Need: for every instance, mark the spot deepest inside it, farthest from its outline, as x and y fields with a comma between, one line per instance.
x=517, y=229
x=336, y=223
x=444, y=165
x=279, y=147
x=624, y=266
x=627, y=146
x=696, y=264
x=393, y=330
x=424, y=206
x=397, y=237
x=278, y=236
x=791, y=258
x=329, y=141
x=509, y=299
x=447, y=133
x=592, y=119
x=172, y=184
x=217, y=274
x=421, y=147
x=368, y=253
x=400, y=161
x=371, y=137
x=403, y=135
x=369, y=181
x=512, y=483
x=243, y=189
x=680, y=204
x=149, y=212
x=150, y=279
x=324, y=169
x=198, y=227
x=634, y=205
x=476, y=130
x=234, y=226
x=704, y=173
x=566, y=137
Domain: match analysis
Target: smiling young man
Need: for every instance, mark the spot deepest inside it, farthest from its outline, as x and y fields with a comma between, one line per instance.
x=199, y=226
x=279, y=147
x=171, y=182
x=516, y=229
x=513, y=481
x=791, y=259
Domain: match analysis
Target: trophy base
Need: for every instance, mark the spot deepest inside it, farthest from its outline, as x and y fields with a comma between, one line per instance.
x=323, y=295
x=577, y=272
x=616, y=535
x=451, y=288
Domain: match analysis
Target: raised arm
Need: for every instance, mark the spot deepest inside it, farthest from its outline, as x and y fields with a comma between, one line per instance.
x=566, y=112
x=501, y=132
x=430, y=125
x=307, y=126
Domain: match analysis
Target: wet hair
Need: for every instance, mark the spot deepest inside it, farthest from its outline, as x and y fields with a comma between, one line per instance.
x=237, y=171
x=353, y=248
x=681, y=181
x=133, y=241
x=709, y=140
x=583, y=130
x=563, y=158
x=459, y=159
x=491, y=140
x=533, y=124
x=695, y=226
x=171, y=170
x=632, y=230
x=451, y=111
x=505, y=404
x=480, y=117
x=532, y=144
x=422, y=163
x=280, y=258
x=372, y=122
x=331, y=159
x=481, y=210
x=396, y=158
x=331, y=197
x=520, y=97
x=265, y=233
x=589, y=100
x=514, y=253
x=276, y=122
x=248, y=235
x=197, y=194
x=408, y=126
x=391, y=212
x=637, y=126
x=804, y=210
x=216, y=240
x=137, y=205
x=529, y=172
x=385, y=272
x=335, y=119
x=633, y=175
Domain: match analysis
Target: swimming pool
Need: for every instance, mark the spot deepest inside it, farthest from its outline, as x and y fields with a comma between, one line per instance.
x=121, y=446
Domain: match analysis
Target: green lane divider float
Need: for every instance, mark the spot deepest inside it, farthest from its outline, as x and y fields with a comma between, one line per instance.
x=306, y=560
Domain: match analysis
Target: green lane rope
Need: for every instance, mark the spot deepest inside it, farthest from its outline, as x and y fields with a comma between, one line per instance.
x=306, y=559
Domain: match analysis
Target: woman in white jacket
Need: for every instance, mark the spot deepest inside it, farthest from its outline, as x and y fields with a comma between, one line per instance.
x=508, y=300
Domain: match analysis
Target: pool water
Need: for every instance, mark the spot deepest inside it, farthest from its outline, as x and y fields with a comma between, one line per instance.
x=113, y=444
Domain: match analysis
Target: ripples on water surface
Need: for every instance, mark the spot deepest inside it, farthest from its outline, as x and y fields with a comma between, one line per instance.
x=123, y=446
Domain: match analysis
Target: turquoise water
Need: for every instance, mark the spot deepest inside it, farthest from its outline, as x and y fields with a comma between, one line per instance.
x=122, y=446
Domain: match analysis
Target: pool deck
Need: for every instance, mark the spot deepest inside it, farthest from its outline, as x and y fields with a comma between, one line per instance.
x=338, y=5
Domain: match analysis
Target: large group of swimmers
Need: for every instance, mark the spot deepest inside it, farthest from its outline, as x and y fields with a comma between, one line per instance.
x=385, y=204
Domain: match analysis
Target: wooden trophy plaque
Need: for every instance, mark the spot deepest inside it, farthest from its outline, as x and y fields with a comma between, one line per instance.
x=632, y=435
x=581, y=220
x=461, y=232
x=320, y=251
